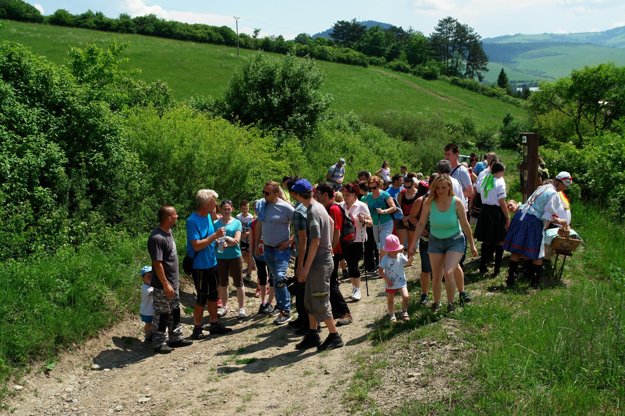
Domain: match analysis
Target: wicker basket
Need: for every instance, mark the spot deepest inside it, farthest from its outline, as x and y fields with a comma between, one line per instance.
x=565, y=244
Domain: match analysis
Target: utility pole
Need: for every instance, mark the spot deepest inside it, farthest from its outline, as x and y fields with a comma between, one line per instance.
x=236, y=21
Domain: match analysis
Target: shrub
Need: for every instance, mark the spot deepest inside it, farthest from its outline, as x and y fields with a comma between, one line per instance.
x=510, y=131
x=274, y=93
x=430, y=70
x=399, y=66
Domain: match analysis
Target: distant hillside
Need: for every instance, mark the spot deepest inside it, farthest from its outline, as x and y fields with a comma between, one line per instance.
x=368, y=23
x=549, y=56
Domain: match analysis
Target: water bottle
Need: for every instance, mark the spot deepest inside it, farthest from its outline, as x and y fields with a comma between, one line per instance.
x=221, y=244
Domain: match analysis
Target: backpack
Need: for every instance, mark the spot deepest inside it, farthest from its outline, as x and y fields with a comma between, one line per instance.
x=348, y=231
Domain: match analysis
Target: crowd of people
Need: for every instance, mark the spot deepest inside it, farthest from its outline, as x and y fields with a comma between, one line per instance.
x=381, y=220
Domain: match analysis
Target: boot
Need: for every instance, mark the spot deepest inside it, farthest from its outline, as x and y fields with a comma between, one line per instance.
x=498, y=257
x=487, y=252
x=536, y=275
x=511, y=280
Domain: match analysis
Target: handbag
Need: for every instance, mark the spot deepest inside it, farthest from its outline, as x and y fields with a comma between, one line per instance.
x=187, y=264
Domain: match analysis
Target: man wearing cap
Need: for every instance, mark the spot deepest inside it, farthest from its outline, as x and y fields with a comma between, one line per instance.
x=525, y=235
x=317, y=270
x=336, y=174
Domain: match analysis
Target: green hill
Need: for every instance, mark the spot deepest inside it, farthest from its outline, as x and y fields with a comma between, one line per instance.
x=550, y=56
x=192, y=69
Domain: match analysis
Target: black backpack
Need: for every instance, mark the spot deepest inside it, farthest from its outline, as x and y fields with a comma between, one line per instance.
x=348, y=231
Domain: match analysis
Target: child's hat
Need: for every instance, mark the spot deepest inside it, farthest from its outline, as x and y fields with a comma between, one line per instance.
x=145, y=269
x=392, y=243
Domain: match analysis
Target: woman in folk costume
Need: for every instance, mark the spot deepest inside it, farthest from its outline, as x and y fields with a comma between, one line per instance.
x=493, y=221
x=525, y=235
x=560, y=230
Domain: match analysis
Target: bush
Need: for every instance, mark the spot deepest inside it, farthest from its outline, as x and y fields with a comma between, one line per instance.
x=510, y=131
x=376, y=60
x=430, y=70
x=19, y=10
x=486, y=140
x=399, y=66
x=274, y=93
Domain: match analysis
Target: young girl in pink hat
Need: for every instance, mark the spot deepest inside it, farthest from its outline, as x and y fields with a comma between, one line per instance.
x=392, y=270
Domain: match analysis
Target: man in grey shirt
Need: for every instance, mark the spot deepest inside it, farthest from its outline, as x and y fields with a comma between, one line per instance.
x=165, y=281
x=317, y=270
x=274, y=217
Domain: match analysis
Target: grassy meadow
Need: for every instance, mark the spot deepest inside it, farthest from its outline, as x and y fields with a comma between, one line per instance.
x=192, y=69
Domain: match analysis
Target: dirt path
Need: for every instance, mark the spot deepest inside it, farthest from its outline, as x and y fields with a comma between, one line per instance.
x=254, y=370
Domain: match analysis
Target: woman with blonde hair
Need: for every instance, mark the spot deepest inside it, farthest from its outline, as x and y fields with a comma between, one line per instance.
x=448, y=221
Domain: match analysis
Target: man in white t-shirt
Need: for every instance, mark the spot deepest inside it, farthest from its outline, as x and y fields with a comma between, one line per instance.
x=460, y=173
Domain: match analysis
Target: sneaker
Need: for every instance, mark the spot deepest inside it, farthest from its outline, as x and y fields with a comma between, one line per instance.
x=464, y=297
x=197, y=333
x=163, y=349
x=391, y=317
x=435, y=306
x=356, y=296
x=404, y=316
x=223, y=311
x=283, y=318
x=424, y=299
x=218, y=328
x=266, y=309
x=332, y=341
x=344, y=320
x=311, y=340
x=274, y=310
x=242, y=313
x=451, y=307
x=180, y=343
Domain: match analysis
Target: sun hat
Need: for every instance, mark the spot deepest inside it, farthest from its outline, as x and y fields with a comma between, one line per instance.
x=145, y=269
x=342, y=160
x=301, y=186
x=565, y=178
x=392, y=243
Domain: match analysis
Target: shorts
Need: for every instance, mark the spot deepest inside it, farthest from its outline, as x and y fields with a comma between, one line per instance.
x=381, y=231
x=443, y=245
x=317, y=289
x=245, y=246
x=426, y=267
x=230, y=267
x=393, y=291
x=147, y=318
x=399, y=224
x=205, y=281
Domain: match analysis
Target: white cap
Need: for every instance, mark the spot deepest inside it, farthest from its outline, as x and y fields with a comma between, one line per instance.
x=565, y=178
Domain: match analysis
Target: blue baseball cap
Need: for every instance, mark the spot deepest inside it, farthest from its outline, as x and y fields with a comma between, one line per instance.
x=145, y=269
x=301, y=186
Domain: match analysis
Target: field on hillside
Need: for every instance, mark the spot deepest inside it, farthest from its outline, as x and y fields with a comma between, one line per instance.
x=193, y=69
x=547, y=61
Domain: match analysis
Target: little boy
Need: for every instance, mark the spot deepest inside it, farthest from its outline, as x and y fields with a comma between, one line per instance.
x=147, y=309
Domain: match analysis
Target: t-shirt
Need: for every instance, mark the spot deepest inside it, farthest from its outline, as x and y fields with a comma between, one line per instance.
x=457, y=188
x=394, y=270
x=393, y=191
x=246, y=222
x=337, y=216
x=162, y=247
x=386, y=174
x=319, y=227
x=299, y=222
x=495, y=194
x=147, y=307
x=379, y=202
x=275, y=218
x=358, y=207
x=336, y=173
x=461, y=174
x=230, y=252
x=198, y=228
x=479, y=167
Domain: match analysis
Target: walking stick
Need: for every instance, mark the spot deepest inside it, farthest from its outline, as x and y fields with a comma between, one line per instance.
x=362, y=239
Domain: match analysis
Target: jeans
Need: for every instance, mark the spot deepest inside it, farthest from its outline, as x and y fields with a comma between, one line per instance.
x=278, y=263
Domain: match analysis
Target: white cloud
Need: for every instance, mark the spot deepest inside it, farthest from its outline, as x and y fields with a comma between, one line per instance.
x=39, y=7
x=141, y=8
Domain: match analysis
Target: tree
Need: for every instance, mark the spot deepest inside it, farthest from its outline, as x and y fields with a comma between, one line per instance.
x=373, y=43
x=591, y=100
x=346, y=33
x=502, y=80
x=274, y=93
x=19, y=10
x=417, y=49
x=459, y=49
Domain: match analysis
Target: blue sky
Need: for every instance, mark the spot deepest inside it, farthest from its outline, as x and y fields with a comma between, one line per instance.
x=488, y=17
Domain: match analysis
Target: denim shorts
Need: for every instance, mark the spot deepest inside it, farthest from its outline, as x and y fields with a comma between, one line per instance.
x=443, y=245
